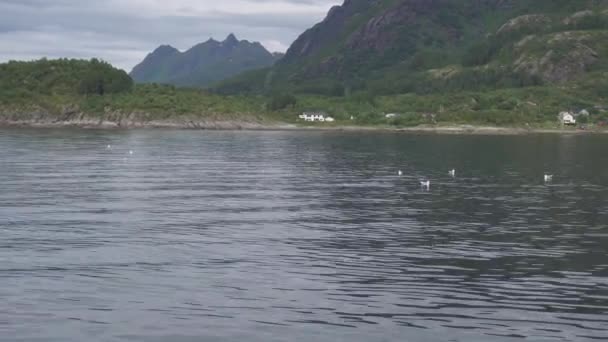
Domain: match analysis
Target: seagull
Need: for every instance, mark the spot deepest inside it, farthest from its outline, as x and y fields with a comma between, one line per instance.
x=425, y=184
x=130, y=152
x=548, y=178
x=452, y=172
x=109, y=147
x=400, y=173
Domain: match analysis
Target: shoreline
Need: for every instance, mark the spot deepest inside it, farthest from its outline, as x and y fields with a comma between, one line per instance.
x=234, y=125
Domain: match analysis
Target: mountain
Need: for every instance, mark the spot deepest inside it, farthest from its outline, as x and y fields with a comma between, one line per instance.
x=400, y=46
x=204, y=63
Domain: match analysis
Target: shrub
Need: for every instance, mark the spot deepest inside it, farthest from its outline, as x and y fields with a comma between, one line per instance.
x=281, y=101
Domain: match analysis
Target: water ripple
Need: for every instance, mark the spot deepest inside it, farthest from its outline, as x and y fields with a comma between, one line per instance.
x=260, y=236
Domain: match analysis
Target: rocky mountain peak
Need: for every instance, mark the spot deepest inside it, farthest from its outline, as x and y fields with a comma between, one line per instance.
x=230, y=40
x=165, y=50
x=202, y=64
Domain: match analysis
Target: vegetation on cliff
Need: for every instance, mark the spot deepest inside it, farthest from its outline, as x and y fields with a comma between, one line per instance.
x=425, y=47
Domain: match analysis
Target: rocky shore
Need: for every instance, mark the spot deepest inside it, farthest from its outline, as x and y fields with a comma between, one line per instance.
x=39, y=118
x=173, y=123
x=141, y=120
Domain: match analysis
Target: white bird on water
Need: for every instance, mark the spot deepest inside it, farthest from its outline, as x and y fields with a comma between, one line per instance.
x=131, y=152
x=426, y=184
x=452, y=172
x=109, y=147
x=400, y=173
x=548, y=178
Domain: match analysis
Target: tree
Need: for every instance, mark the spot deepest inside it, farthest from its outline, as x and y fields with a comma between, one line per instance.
x=101, y=78
x=281, y=101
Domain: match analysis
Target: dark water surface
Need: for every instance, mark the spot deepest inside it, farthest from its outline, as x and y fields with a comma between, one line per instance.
x=301, y=236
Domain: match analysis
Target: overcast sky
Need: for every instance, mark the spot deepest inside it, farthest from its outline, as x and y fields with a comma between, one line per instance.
x=123, y=32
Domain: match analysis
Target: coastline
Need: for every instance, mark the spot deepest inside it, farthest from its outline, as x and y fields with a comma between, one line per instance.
x=117, y=120
x=153, y=124
x=254, y=125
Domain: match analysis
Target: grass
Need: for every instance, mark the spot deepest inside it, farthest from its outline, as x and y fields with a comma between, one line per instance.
x=517, y=107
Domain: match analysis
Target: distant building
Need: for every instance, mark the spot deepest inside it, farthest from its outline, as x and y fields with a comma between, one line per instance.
x=316, y=117
x=567, y=118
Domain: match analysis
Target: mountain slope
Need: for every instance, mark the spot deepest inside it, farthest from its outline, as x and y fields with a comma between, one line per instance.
x=396, y=46
x=203, y=64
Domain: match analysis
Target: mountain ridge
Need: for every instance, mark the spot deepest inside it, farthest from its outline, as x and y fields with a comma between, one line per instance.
x=203, y=63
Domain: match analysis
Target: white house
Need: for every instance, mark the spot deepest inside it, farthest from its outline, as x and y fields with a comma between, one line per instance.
x=316, y=117
x=567, y=118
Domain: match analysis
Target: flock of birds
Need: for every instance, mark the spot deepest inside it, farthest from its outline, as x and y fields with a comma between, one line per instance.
x=426, y=184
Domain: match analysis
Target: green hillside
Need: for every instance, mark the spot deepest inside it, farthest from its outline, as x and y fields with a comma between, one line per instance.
x=95, y=92
x=427, y=46
x=24, y=80
x=68, y=89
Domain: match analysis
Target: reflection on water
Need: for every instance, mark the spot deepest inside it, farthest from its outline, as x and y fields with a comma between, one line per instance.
x=263, y=236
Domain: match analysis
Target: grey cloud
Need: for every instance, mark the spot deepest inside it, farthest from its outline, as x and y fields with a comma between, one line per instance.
x=123, y=33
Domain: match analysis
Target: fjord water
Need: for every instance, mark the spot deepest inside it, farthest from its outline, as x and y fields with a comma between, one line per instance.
x=301, y=236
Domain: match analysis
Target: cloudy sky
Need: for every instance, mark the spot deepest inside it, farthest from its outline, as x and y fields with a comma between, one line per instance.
x=124, y=31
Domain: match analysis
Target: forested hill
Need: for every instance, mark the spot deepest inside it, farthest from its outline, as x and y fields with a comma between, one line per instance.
x=93, y=93
x=204, y=63
x=61, y=77
x=425, y=46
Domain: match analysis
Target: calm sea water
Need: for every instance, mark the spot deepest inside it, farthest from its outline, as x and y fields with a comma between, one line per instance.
x=301, y=236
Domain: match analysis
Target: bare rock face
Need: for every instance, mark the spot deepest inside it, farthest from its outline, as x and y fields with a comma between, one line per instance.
x=577, y=17
x=566, y=57
x=529, y=21
x=569, y=66
x=328, y=31
x=380, y=34
x=388, y=31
